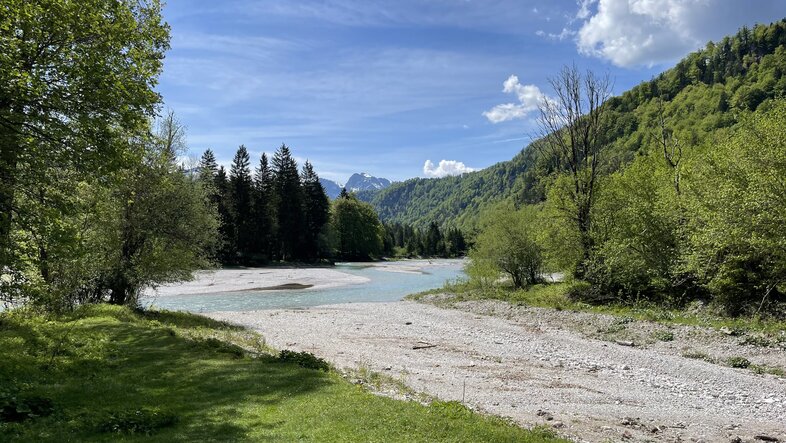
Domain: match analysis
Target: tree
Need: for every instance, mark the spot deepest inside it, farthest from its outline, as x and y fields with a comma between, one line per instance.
x=572, y=127
x=357, y=229
x=76, y=79
x=158, y=226
x=263, y=208
x=240, y=189
x=738, y=197
x=507, y=244
x=208, y=168
x=289, y=200
x=316, y=213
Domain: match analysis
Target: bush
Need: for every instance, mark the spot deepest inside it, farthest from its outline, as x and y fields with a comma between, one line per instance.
x=304, y=359
x=508, y=245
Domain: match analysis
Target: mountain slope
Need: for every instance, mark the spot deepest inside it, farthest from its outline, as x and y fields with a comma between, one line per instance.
x=702, y=95
x=332, y=189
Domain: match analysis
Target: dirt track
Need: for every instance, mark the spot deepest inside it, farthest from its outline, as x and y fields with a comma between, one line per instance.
x=542, y=367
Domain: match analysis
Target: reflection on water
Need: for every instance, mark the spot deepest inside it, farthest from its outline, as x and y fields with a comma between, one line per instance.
x=383, y=286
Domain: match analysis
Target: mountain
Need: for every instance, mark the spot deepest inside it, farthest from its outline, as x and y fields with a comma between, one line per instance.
x=365, y=182
x=702, y=96
x=332, y=189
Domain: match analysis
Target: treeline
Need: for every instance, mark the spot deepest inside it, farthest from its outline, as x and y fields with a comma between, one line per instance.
x=407, y=241
x=275, y=212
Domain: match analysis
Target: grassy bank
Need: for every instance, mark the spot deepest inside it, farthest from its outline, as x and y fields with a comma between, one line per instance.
x=554, y=296
x=107, y=373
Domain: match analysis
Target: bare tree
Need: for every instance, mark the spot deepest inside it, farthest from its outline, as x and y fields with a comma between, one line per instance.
x=572, y=129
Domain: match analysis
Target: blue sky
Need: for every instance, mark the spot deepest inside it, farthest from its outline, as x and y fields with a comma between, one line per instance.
x=385, y=86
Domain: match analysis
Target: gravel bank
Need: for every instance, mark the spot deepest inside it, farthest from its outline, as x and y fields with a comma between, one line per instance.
x=533, y=368
x=257, y=279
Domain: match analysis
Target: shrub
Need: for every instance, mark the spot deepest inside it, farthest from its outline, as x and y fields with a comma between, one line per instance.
x=304, y=359
x=19, y=407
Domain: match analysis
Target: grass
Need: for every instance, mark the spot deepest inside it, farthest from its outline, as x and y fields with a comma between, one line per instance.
x=554, y=296
x=107, y=373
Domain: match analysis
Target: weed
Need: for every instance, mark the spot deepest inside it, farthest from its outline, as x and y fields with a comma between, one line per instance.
x=738, y=362
x=663, y=336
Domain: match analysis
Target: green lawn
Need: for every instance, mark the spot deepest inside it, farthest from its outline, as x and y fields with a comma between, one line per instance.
x=107, y=373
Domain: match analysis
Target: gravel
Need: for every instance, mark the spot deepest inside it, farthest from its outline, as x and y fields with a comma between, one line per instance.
x=544, y=367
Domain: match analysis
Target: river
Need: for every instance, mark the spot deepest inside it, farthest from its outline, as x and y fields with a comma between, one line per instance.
x=388, y=281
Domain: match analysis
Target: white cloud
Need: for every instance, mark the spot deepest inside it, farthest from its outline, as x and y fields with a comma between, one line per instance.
x=445, y=168
x=529, y=96
x=647, y=32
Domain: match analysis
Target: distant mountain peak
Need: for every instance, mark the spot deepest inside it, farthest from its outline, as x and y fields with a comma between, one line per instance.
x=363, y=181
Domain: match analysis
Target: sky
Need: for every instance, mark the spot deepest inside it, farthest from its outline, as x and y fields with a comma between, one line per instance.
x=410, y=88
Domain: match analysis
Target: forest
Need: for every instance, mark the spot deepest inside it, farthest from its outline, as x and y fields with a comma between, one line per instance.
x=668, y=194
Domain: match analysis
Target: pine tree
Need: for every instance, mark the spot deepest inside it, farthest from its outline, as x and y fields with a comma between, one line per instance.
x=240, y=187
x=289, y=197
x=263, y=208
x=226, y=224
x=316, y=212
x=208, y=168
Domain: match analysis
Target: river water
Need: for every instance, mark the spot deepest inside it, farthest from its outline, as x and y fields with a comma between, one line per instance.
x=383, y=286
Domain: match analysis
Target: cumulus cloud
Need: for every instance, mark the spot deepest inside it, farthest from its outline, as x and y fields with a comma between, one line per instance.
x=646, y=32
x=445, y=168
x=528, y=96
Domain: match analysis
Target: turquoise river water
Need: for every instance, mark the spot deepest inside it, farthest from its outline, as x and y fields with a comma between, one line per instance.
x=383, y=286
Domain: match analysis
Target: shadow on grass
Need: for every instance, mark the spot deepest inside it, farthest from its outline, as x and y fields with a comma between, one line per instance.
x=109, y=368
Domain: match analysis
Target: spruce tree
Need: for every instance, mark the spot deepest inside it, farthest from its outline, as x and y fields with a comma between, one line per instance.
x=316, y=212
x=240, y=187
x=226, y=223
x=264, y=209
x=289, y=198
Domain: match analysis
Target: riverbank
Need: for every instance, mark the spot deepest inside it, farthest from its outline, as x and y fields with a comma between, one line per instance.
x=107, y=373
x=534, y=369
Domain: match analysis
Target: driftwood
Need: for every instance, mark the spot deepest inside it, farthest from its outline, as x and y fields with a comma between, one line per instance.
x=423, y=345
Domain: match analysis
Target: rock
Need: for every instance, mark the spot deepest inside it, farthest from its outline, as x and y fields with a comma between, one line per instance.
x=736, y=439
x=627, y=435
x=545, y=415
x=408, y=323
x=624, y=343
x=558, y=425
x=766, y=438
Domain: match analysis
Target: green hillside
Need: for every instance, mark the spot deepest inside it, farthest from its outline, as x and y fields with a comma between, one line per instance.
x=703, y=94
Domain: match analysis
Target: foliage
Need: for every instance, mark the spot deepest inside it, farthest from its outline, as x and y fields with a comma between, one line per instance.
x=304, y=360
x=507, y=244
x=702, y=95
x=356, y=228
x=409, y=241
x=739, y=197
x=76, y=81
x=123, y=375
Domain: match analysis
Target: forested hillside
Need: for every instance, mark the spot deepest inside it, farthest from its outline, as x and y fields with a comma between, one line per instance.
x=702, y=96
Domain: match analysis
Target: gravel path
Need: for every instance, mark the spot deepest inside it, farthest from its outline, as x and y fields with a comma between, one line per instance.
x=532, y=368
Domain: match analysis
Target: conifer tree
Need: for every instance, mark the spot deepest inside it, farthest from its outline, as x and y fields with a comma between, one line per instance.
x=240, y=187
x=226, y=227
x=263, y=208
x=316, y=212
x=289, y=200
